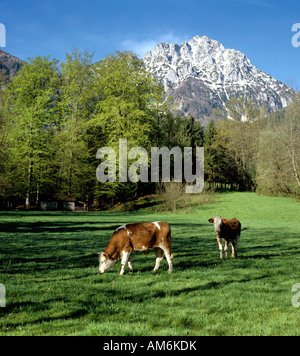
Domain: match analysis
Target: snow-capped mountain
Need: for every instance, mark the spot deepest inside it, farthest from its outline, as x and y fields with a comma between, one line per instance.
x=201, y=75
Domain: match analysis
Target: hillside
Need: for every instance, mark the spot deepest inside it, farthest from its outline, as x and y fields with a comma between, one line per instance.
x=9, y=65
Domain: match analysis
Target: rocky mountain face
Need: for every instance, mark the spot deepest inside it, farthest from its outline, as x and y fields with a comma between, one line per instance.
x=202, y=75
x=9, y=65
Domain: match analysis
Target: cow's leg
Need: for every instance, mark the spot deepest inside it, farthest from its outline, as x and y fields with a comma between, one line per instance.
x=220, y=248
x=237, y=243
x=159, y=256
x=130, y=263
x=125, y=258
x=234, y=245
x=226, y=249
x=233, y=254
x=169, y=257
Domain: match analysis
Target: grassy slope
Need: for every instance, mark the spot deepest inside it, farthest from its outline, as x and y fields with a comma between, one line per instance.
x=53, y=288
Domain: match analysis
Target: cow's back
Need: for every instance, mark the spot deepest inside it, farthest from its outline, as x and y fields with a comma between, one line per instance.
x=231, y=229
x=235, y=225
x=149, y=235
x=140, y=237
x=164, y=233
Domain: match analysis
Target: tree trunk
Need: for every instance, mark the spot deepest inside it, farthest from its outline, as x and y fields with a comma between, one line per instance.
x=27, y=201
x=37, y=195
x=295, y=166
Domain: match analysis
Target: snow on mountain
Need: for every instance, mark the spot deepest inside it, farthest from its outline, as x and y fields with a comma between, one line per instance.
x=202, y=75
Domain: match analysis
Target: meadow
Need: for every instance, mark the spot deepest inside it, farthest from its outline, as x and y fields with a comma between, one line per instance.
x=49, y=267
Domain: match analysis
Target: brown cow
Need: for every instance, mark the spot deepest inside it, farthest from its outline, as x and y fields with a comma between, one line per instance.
x=227, y=231
x=143, y=237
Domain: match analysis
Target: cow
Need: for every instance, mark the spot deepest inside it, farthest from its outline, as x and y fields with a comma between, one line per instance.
x=143, y=237
x=227, y=231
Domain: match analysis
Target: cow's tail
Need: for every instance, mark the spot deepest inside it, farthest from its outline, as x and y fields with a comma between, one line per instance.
x=245, y=228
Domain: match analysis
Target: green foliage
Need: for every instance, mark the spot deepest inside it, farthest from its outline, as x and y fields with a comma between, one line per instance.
x=4, y=183
x=59, y=116
x=70, y=153
x=128, y=107
x=31, y=110
x=128, y=99
x=278, y=158
x=54, y=117
x=219, y=167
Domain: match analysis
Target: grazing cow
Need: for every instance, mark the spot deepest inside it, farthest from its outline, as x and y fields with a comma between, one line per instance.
x=143, y=237
x=227, y=231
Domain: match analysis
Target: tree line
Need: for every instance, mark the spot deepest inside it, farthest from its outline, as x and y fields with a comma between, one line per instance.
x=55, y=116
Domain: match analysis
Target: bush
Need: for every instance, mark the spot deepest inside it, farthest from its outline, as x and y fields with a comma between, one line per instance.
x=173, y=197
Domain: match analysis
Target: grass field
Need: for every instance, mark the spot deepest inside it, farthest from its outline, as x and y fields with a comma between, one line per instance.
x=49, y=269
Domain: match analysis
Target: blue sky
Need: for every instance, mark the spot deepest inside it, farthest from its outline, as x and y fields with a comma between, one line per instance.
x=262, y=29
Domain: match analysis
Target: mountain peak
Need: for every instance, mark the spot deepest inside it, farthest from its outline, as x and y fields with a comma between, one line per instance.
x=204, y=68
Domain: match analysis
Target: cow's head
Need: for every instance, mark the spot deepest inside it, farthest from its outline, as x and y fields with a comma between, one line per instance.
x=105, y=262
x=217, y=221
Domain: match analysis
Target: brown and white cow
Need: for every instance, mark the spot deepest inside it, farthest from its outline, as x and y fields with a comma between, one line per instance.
x=143, y=237
x=227, y=231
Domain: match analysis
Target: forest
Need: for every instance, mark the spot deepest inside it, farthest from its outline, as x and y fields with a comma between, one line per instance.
x=55, y=116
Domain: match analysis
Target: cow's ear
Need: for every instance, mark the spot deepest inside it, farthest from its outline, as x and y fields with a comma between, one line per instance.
x=106, y=256
x=212, y=220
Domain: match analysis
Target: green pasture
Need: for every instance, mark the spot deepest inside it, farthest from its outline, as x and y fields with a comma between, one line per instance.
x=49, y=268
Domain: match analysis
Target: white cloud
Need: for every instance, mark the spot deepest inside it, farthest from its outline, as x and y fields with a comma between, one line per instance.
x=143, y=46
x=139, y=47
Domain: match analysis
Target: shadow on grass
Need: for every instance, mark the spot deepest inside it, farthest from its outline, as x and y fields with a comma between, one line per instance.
x=56, y=227
x=80, y=308
x=163, y=293
x=41, y=264
x=39, y=307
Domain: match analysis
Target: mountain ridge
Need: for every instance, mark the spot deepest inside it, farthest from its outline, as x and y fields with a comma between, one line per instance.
x=9, y=64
